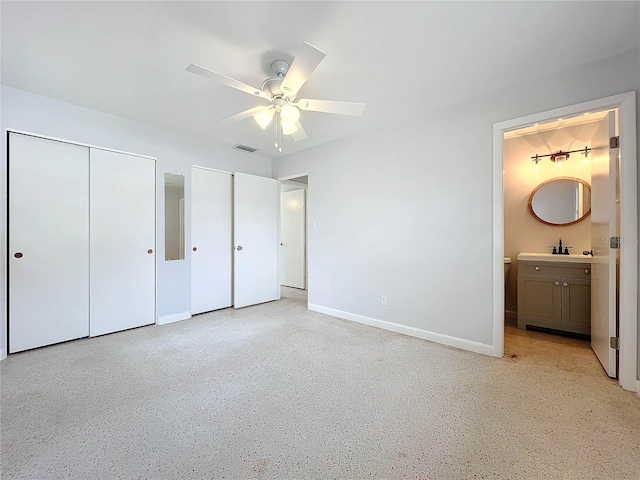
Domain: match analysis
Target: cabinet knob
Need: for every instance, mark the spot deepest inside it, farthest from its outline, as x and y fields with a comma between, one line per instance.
x=18, y=254
x=557, y=283
x=537, y=268
x=565, y=284
x=195, y=249
x=149, y=251
x=239, y=247
x=586, y=270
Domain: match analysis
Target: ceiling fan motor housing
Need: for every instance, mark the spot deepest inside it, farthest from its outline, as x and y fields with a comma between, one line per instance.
x=271, y=86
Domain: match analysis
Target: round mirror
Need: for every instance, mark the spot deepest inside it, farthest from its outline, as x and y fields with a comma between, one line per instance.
x=561, y=201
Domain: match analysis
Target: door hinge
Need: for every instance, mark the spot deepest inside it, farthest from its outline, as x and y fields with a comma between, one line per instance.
x=614, y=242
x=614, y=142
x=614, y=342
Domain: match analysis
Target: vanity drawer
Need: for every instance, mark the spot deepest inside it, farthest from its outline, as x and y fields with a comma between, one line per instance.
x=575, y=270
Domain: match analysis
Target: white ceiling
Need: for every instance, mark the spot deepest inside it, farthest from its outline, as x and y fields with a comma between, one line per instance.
x=582, y=119
x=400, y=58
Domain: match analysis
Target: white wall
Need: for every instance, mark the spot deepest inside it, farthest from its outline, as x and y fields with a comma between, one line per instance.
x=417, y=226
x=175, y=153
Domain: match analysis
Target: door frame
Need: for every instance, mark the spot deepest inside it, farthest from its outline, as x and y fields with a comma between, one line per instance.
x=625, y=103
x=306, y=227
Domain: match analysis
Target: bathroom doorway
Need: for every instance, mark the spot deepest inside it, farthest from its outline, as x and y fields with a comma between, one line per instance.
x=543, y=190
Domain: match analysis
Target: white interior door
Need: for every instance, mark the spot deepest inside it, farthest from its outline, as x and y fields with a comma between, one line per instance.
x=292, y=238
x=211, y=240
x=603, y=226
x=48, y=242
x=255, y=233
x=122, y=241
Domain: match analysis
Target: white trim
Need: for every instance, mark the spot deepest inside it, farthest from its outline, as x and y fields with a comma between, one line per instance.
x=626, y=104
x=175, y=317
x=289, y=177
x=406, y=330
x=72, y=142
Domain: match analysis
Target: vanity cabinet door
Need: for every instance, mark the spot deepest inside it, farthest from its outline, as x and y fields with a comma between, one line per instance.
x=576, y=301
x=539, y=297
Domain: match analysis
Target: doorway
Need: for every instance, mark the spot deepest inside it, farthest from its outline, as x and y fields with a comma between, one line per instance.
x=293, y=233
x=555, y=175
x=626, y=338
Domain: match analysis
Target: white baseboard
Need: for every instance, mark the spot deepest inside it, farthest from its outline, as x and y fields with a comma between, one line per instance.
x=176, y=317
x=406, y=330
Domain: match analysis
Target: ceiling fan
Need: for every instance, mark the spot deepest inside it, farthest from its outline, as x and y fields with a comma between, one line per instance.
x=281, y=91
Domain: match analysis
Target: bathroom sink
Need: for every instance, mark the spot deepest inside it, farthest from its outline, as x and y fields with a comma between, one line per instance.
x=550, y=257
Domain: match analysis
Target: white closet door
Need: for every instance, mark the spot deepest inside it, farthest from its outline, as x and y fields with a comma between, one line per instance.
x=292, y=238
x=211, y=240
x=255, y=230
x=122, y=241
x=48, y=242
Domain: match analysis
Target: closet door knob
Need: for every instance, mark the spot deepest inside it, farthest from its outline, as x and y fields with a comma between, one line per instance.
x=565, y=284
x=18, y=254
x=557, y=283
x=149, y=251
x=195, y=249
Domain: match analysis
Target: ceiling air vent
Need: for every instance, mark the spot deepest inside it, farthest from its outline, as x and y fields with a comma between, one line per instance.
x=245, y=148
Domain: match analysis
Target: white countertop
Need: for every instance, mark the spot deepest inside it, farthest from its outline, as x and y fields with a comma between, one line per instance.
x=550, y=257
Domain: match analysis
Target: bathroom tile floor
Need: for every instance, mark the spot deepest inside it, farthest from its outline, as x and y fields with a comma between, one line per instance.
x=539, y=348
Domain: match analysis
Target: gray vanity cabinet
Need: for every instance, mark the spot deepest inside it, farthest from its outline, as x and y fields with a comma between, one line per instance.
x=555, y=295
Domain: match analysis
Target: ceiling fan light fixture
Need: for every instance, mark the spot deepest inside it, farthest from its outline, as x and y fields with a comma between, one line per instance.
x=289, y=114
x=263, y=118
x=288, y=128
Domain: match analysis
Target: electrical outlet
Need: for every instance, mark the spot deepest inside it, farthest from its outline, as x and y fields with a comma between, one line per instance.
x=383, y=300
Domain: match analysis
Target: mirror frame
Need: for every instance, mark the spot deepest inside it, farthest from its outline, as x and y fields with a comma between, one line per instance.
x=583, y=182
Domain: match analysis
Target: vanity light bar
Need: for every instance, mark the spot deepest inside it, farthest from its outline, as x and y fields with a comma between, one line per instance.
x=553, y=156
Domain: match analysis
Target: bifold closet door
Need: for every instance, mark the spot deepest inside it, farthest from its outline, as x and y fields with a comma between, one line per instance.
x=48, y=242
x=255, y=233
x=122, y=241
x=211, y=240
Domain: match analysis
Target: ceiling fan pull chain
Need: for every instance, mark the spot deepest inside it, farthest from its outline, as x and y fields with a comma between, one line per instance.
x=280, y=134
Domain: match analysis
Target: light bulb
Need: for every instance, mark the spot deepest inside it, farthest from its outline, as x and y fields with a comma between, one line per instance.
x=289, y=114
x=536, y=167
x=289, y=128
x=263, y=117
x=585, y=160
x=559, y=163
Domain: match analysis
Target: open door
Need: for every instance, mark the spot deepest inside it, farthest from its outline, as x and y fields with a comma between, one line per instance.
x=603, y=227
x=255, y=234
x=292, y=238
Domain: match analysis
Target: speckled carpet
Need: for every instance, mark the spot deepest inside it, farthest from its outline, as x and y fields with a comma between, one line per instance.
x=276, y=391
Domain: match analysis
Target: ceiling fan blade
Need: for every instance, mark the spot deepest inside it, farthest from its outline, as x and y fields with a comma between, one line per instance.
x=299, y=134
x=303, y=65
x=330, y=106
x=230, y=82
x=241, y=116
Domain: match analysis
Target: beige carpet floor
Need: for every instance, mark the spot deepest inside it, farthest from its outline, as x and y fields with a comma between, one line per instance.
x=276, y=391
